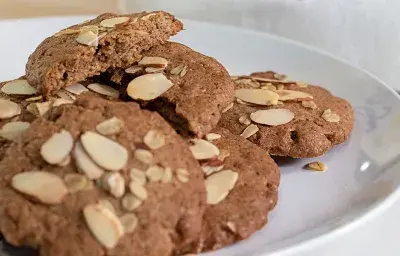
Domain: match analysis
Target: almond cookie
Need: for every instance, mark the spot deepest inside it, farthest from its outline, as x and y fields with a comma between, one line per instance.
x=288, y=118
x=100, y=178
x=89, y=48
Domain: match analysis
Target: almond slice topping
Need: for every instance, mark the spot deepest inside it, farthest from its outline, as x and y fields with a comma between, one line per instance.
x=39, y=108
x=130, y=202
x=155, y=173
x=13, y=129
x=138, y=176
x=257, y=96
x=144, y=156
x=61, y=101
x=138, y=190
x=202, y=149
x=18, y=87
x=285, y=95
x=110, y=126
x=272, y=117
x=104, y=224
x=56, y=149
x=149, y=86
x=104, y=90
x=115, y=184
x=250, y=131
x=309, y=104
x=213, y=136
x=88, y=38
x=110, y=23
x=76, y=89
x=133, y=70
x=76, y=182
x=129, y=221
x=154, y=139
x=46, y=187
x=219, y=184
x=9, y=109
x=85, y=164
x=107, y=153
x=155, y=62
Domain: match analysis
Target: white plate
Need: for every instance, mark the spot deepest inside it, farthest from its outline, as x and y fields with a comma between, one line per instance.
x=362, y=180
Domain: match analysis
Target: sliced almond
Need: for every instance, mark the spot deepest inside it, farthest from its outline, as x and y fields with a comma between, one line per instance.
x=63, y=94
x=106, y=203
x=331, y=117
x=151, y=70
x=208, y=170
x=88, y=38
x=138, y=190
x=213, y=136
x=107, y=153
x=59, y=102
x=155, y=62
x=177, y=70
x=110, y=23
x=56, y=149
x=9, y=109
x=219, y=184
x=272, y=117
x=67, y=31
x=184, y=71
x=223, y=155
x=244, y=103
x=93, y=28
x=243, y=81
x=39, y=108
x=85, y=164
x=148, y=87
x=133, y=70
x=285, y=95
x=244, y=119
x=144, y=156
x=46, y=187
x=269, y=86
x=250, y=131
x=12, y=130
x=167, y=177
x=155, y=173
x=116, y=184
x=154, y=139
x=257, y=96
x=129, y=221
x=76, y=182
x=231, y=226
x=317, y=166
x=110, y=126
x=130, y=202
x=309, y=104
x=35, y=98
x=202, y=149
x=104, y=90
x=104, y=224
x=138, y=176
x=76, y=89
x=228, y=108
x=18, y=87
x=302, y=84
x=182, y=175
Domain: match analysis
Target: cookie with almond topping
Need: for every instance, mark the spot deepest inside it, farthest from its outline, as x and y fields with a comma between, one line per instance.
x=99, y=177
x=288, y=118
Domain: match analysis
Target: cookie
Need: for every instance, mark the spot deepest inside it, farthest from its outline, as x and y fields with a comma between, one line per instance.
x=187, y=88
x=236, y=215
x=89, y=48
x=100, y=178
x=288, y=118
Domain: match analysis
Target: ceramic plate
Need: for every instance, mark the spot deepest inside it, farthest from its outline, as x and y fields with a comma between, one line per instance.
x=362, y=180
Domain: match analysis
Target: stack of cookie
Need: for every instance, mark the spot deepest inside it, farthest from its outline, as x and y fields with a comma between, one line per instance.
x=118, y=142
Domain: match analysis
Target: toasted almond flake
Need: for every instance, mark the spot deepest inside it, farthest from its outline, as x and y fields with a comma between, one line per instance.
x=244, y=119
x=257, y=96
x=144, y=156
x=106, y=203
x=104, y=90
x=130, y=202
x=260, y=79
x=272, y=117
x=219, y=184
x=327, y=112
x=177, y=70
x=184, y=71
x=208, y=170
x=9, y=109
x=138, y=190
x=76, y=89
x=254, y=84
x=309, y=104
x=85, y=164
x=116, y=184
x=155, y=62
x=285, y=95
x=39, y=108
x=129, y=222
x=250, y=131
x=202, y=149
x=332, y=118
x=155, y=173
x=279, y=76
x=146, y=17
x=110, y=23
x=231, y=226
x=223, y=155
x=213, y=136
x=228, y=108
x=302, y=84
x=12, y=130
x=104, y=224
x=76, y=182
x=243, y=81
x=138, y=176
x=67, y=31
x=269, y=86
x=151, y=70
x=182, y=178
x=18, y=87
x=63, y=94
x=149, y=86
x=88, y=38
x=244, y=103
x=65, y=162
x=93, y=28
x=110, y=126
x=182, y=171
x=154, y=139
x=133, y=70
x=107, y=153
x=59, y=102
x=35, y=98
x=317, y=166
x=167, y=177
x=57, y=148
x=46, y=187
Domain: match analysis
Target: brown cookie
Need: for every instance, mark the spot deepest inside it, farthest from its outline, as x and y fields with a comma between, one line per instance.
x=74, y=215
x=87, y=49
x=318, y=124
x=255, y=193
